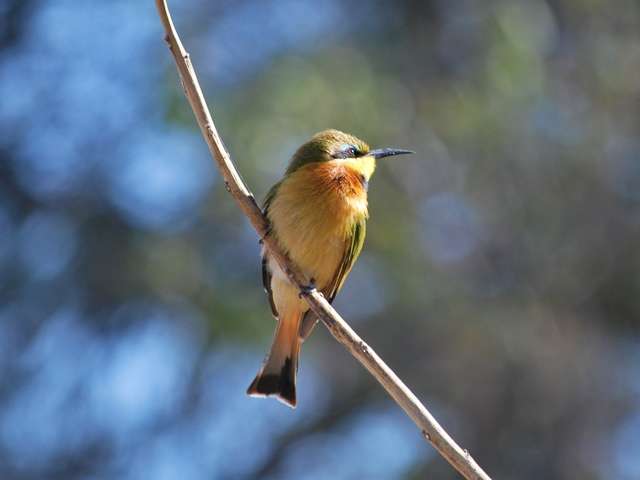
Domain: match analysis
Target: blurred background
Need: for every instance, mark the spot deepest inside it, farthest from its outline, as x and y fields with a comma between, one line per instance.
x=500, y=276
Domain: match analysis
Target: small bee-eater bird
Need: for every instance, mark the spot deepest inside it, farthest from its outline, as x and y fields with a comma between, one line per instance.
x=317, y=214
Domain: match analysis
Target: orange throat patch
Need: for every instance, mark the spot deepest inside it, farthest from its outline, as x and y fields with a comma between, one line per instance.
x=343, y=179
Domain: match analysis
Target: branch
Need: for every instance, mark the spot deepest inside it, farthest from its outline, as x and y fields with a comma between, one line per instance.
x=460, y=459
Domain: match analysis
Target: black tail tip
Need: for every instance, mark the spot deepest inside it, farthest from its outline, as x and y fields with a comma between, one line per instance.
x=272, y=385
x=281, y=386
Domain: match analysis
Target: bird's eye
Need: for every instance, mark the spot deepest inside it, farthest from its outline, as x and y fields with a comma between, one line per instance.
x=347, y=151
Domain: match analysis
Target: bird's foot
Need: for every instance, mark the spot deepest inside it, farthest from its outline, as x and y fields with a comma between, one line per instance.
x=308, y=289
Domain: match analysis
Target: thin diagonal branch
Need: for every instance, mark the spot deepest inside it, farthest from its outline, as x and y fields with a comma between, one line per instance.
x=430, y=428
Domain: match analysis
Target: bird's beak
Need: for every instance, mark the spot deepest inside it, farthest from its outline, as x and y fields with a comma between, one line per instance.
x=388, y=152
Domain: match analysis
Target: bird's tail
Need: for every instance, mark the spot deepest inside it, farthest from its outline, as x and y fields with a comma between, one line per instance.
x=278, y=374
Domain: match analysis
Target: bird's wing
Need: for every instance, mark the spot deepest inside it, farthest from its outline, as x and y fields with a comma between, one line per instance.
x=266, y=273
x=353, y=247
x=266, y=282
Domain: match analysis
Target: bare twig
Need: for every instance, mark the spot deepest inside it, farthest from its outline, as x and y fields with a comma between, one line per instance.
x=430, y=428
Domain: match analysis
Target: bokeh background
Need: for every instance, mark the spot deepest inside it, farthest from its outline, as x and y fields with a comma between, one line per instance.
x=500, y=276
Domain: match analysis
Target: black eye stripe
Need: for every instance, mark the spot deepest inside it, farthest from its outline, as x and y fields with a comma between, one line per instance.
x=347, y=151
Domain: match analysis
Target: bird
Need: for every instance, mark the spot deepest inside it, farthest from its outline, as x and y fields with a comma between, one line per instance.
x=317, y=214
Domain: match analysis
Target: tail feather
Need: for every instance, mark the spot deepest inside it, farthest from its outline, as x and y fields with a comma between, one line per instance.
x=277, y=377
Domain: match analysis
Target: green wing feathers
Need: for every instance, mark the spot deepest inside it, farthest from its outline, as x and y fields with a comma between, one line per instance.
x=353, y=247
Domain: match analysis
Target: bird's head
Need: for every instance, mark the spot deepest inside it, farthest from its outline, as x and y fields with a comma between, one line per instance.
x=334, y=145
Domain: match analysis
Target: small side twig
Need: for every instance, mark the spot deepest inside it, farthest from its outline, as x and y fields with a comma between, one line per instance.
x=342, y=332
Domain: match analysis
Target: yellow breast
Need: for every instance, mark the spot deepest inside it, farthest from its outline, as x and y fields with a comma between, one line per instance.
x=313, y=212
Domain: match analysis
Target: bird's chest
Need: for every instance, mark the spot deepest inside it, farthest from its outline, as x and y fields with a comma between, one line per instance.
x=313, y=214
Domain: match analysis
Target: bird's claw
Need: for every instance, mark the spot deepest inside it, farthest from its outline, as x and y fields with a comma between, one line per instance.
x=308, y=289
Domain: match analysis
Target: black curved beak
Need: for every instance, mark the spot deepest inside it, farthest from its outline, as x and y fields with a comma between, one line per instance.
x=388, y=152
